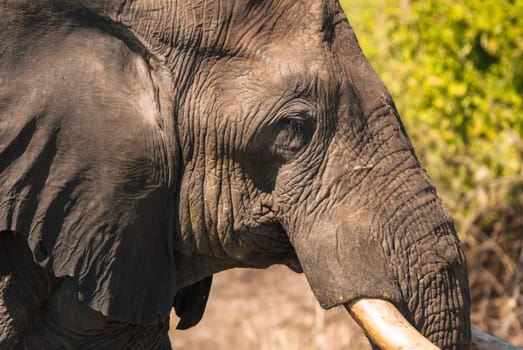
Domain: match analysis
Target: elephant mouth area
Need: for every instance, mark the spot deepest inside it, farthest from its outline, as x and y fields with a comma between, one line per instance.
x=294, y=264
x=264, y=245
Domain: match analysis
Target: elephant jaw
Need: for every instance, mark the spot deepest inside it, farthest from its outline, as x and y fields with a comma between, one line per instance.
x=388, y=329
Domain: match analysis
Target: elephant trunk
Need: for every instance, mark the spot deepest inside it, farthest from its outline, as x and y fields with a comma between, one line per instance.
x=429, y=265
x=421, y=246
x=395, y=243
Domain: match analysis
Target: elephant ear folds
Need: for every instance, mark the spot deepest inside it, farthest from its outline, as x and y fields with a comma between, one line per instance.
x=190, y=303
x=89, y=170
x=100, y=213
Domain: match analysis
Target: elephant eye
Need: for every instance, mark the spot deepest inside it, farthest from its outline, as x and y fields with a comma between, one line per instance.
x=292, y=134
x=276, y=144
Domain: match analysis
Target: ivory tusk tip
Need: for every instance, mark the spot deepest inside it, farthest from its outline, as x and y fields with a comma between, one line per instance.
x=386, y=326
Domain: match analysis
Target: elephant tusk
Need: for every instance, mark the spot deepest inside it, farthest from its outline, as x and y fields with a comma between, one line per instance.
x=386, y=326
x=485, y=341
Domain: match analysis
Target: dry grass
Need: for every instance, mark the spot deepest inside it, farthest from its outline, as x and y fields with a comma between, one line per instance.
x=268, y=309
x=495, y=256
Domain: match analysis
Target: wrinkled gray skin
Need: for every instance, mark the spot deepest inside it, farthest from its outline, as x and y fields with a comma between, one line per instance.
x=145, y=145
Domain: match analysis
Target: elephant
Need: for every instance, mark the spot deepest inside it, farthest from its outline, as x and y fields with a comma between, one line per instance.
x=147, y=145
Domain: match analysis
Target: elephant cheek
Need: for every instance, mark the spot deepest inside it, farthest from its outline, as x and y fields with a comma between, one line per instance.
x=343, y=263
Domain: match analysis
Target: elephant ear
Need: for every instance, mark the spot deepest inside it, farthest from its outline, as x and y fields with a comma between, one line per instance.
x=190, y=303
x=88, y=172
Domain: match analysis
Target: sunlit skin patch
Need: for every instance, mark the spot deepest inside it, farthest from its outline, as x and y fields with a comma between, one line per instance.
x=264, y=113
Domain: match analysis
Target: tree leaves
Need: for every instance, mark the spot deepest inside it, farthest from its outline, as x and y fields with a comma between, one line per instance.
x=455, y=70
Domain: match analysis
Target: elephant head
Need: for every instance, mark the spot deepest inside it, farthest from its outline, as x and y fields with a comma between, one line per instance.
x=291, y=151
x=160, y=142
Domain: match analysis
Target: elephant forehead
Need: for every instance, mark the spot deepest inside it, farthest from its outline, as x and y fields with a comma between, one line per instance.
x=217, y=27
x=261, y=85
x=259, y=22
x=281, y=57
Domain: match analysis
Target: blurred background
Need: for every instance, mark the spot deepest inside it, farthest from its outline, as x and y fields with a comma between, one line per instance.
x=455, y=71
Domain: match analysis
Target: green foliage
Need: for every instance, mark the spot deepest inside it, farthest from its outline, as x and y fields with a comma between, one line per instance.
x=455, y=70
